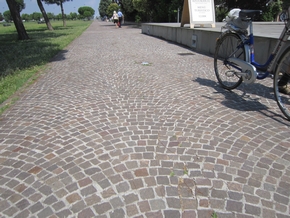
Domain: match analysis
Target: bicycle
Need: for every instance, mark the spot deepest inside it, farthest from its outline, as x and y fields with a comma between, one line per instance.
x=234, y=60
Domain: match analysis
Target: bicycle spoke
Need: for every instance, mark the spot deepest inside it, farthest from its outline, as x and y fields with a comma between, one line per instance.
x=226, y=73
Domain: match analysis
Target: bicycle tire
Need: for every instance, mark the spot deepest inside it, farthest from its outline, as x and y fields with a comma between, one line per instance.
x=225, y=48
x=283, y=69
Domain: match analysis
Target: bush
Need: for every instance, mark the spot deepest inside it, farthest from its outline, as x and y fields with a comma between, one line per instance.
x=137, y=19
x=271, y=12
x=220, y=14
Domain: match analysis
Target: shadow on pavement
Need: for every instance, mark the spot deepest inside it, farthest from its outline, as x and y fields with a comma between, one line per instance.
x=244, y=102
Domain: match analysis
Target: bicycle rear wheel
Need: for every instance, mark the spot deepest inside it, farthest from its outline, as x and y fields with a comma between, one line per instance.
x=282, y=83
x=229, y=45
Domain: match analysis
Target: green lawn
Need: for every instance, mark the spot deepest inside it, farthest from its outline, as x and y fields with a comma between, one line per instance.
x=21, y=61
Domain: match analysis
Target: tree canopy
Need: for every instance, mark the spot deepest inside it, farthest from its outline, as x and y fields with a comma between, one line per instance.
x=20, y=5
x=57, y=2
x=166, y=10
x=86, y=12
x=7, y=16
x=270, y=8
x=103, y=6
x=111, y=8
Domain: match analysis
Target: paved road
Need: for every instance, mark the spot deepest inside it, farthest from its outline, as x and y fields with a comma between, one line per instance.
x=122, y=124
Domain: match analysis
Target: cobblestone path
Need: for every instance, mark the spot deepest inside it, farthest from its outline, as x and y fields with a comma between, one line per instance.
x=128, y=125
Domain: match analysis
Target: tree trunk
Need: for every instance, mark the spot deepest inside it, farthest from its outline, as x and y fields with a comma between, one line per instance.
x=62, y=13
x=22, y=34
x=48, y=24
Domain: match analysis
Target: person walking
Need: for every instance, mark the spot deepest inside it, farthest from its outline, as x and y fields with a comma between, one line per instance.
x=115, y=18
x=120, y=16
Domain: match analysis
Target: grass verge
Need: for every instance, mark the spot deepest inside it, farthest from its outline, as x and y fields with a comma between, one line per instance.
x=20, y=61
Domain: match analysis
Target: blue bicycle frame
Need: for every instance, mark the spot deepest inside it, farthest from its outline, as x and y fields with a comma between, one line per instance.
x=267, y=67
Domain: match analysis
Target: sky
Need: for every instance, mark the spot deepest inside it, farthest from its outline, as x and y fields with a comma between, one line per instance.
x=70, y=6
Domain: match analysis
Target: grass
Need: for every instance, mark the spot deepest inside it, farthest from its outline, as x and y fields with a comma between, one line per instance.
x=22, y=60
x=214, y=215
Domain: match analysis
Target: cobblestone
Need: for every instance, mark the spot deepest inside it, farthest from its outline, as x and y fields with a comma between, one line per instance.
x=101, y=135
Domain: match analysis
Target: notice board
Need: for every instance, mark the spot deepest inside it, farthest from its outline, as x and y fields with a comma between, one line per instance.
x=198, y=12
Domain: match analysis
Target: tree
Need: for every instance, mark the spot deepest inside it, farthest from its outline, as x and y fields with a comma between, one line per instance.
x=58, y=17
x=48, y=24
x=286, y=4
x=58, y=3
x=1, y=17
x=7, y=16
x=173, y=10
x=36, y=16
x=271, y=11
x=140, y=5
x=50, y=15
x=14, y=8
x=128, y=9
x=86, y=12
x=20, y=5
x=25, y=17
x=73, y=15
x=111, y=8
x=128, y=6
x=103, y=6
x=142, y=8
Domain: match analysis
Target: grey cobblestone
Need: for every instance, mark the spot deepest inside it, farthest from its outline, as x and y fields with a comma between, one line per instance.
x=101, y=135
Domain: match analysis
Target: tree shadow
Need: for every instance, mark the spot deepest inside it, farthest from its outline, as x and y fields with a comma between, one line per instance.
x=244, y=101
x=19, y=55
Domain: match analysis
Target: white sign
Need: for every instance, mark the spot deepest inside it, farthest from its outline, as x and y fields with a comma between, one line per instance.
x=202, y=10
x=198, y=12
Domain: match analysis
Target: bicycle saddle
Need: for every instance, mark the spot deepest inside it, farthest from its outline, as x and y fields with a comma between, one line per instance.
x=249, y=14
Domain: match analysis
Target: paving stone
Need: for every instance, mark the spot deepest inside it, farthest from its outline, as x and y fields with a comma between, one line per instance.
x=172, y=191
x=254, y=210
x=46, y=212
x=116, y=202
x=144, y=206
x=234, y=206
x=86, y=213
x=10, y=211
x=78, y=206
x=141, y=173
x=21, y=205
x=147, y=193
x=171, y=213
x=173, y=203
x=63, y=213
x=36, y=207
x=73, y=198
x=189, y=214
x=118, y=213
x=131, y=210
x=58, y=205
x=108, y=193
x=102, y=208
x=23, y=214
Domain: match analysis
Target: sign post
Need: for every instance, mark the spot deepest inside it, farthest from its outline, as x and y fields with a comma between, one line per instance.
x=198, y=12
